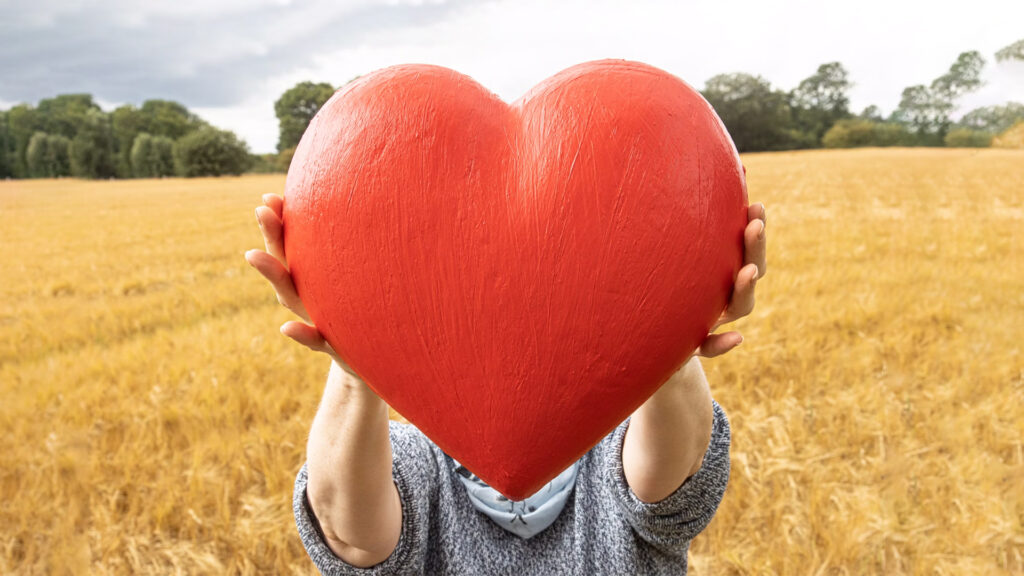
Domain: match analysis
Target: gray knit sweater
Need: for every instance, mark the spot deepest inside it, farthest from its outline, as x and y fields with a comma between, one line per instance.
x=603, y=529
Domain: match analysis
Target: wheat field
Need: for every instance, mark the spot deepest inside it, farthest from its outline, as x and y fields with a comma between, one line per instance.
x=152, y=418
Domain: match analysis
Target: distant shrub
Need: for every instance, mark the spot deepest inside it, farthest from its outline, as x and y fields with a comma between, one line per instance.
x=1012, y=138
x=855, y=132
x=967, y=138
x=48, y=156
x=211, y=152
x=265, y=164
x=152, y=156
x=284, y=159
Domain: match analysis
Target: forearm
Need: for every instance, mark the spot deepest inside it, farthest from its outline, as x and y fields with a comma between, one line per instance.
x=669, y=434
x=350, y=487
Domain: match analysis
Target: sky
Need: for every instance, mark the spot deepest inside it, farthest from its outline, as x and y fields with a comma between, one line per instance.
x=229, y=60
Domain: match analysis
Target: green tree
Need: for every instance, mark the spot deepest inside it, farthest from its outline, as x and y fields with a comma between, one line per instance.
x=64, y=114
x=918, y=111
x=158, y=118
x=757, y=116
x=126, y=122
x=964, y=76
x=6, y=149
x=822, y=99
x=993, y=119
x=872, y=113
x=48, y=155
x=1014, y=51
x=92, y=148
x=927, y=109
x=142, y=150
x=211, y=152
x=162, y=157
x=168, y=118
x=22, y=124
x=152, y=156
x=296, y=108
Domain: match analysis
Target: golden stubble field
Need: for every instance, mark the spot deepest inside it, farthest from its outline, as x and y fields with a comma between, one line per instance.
x=152, y=418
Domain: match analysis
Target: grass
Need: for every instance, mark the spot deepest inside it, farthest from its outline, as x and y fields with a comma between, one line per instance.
x=153, y=419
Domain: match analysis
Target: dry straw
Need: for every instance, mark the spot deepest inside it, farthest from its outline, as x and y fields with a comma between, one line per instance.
x=153, y=418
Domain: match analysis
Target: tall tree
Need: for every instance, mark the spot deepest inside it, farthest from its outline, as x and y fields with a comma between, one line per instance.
x=756, y=115
x=169, y=118
x=63, y=114
x=993, y=119
x=152, y=156
x=1012, y=52
x=872, y=113
x=928, y=109
x=6, y=149
x=126, y=123
x=917, y=109
x=48, y=155
x=92, y=148
x=22, y=124
x=296, y=108
x=822, y=99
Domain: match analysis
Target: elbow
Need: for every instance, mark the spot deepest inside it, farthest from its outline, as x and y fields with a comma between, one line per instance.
x=362, y=540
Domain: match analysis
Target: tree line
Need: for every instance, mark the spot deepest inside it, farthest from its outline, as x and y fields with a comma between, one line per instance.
x=70, y=135
x=814, y=114
x=817, y=112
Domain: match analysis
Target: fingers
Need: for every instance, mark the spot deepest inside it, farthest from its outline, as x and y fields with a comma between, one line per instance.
x=273, y=238
x=306, y=335
x=275, y=203
x=742, y=302
x=272, y=269
x=755, y=245
x=311, y=338
x=718, y=344
x=756, y=212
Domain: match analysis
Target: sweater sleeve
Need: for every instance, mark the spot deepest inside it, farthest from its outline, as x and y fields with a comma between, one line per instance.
x=670, y=524
x=415, y=475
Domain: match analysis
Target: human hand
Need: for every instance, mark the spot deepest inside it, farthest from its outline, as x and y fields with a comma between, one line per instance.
x=273, y=266
x=742, y=301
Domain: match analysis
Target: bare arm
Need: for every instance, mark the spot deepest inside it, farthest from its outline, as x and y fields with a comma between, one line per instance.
x=348, y=458
x=669, y=434
x=350, y=488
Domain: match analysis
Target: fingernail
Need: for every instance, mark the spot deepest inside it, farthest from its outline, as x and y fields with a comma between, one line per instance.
x=761, y=233
x=258, y=221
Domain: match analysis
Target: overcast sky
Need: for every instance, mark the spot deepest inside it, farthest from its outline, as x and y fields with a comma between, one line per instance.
x=228, y=60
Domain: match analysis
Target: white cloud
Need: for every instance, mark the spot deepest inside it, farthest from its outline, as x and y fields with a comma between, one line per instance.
x=510, y=45
x=229, y=60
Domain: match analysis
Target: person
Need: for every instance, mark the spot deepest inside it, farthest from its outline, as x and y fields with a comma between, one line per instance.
x=377, y=497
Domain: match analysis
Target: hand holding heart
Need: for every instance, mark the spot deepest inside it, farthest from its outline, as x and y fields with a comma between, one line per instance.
x=515, y=279
x=273, y=266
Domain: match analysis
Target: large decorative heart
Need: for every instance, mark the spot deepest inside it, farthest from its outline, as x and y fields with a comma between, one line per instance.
x=515, y=279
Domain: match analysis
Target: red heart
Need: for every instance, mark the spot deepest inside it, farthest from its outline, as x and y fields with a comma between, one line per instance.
x=515, y=279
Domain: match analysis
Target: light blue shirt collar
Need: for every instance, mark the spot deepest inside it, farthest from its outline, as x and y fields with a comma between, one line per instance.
x=524, y=518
